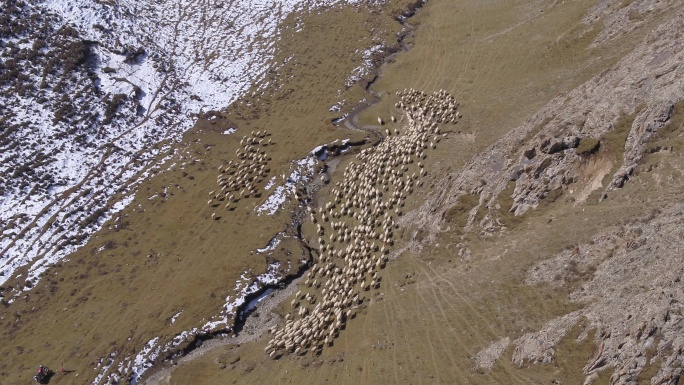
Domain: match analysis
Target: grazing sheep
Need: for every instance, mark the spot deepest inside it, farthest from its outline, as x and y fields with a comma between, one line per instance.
x=368, y=222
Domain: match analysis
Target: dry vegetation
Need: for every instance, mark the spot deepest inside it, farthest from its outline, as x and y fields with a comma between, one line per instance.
x=461, y=301
x=453, y=286
x=106, y=297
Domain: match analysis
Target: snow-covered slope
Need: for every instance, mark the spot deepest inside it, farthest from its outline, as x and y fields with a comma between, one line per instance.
x=93, y=94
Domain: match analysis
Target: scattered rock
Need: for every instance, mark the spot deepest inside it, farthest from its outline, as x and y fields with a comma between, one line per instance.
x=633, y=316
x=488, y=357
x=557, y=145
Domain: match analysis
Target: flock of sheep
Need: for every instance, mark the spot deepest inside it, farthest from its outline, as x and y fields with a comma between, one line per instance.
x=440, y=107
x=356, y=226
x=240, y=179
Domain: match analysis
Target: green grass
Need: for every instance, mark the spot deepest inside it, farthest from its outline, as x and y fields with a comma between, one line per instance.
x=615, y=139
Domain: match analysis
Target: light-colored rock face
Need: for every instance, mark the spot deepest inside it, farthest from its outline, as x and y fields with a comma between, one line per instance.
x=633, y=303
x=632, y=99
x=569, y=149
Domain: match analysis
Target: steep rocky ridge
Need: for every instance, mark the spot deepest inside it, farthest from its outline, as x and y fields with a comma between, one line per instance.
x=581, y=146
x=543, y=156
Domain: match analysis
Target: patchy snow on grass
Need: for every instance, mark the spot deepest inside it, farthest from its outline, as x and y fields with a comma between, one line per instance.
x=271, y=182
x=274, y=201
x=170, y=61
x=337, y=106
x=134, y=367
x=302, y=172
x=175, y=317
x=251, y=305
x=363, y=69
x=144, y=359
x=337, y=121
x=244, y=288
x=103, y=366
x=272, y=244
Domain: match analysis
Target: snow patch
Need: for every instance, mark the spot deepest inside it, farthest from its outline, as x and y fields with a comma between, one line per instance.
x=175, y=317
x=303, y=171
x=337, y=106
x=134, y=368
x=363, y=69
x=251, y=305
x=272, y=244
x=270, y=183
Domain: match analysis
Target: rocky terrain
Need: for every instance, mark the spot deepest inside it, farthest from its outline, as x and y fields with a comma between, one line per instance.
x=310, y=192
x=585, y=145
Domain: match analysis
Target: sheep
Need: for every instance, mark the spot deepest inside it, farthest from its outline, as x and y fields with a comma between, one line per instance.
x=360, y=197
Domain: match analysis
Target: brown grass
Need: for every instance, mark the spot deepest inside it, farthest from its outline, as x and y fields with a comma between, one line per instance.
x=461, y=307
x=171, y=255
x=588, y=146
x=432, y=312
x=457, y=215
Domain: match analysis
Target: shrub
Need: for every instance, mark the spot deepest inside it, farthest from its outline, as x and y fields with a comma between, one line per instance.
x=588, y=146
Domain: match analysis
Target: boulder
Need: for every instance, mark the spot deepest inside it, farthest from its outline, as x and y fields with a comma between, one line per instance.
x=552, y=146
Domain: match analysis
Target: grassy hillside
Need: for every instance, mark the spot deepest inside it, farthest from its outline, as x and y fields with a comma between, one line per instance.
x=458, y=280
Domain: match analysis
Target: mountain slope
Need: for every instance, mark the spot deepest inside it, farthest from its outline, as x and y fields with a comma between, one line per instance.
x=522, y=160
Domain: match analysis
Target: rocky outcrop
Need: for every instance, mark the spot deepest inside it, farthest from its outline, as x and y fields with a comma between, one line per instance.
x=635, y=303
x=632, y=299
x=621, y=108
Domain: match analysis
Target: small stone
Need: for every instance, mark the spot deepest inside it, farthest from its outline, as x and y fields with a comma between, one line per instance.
x=516, y=173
